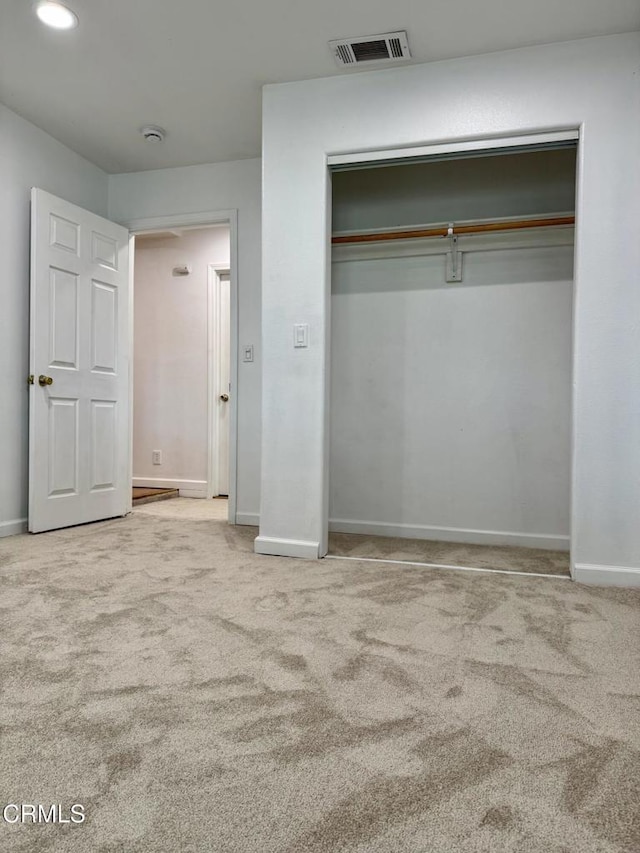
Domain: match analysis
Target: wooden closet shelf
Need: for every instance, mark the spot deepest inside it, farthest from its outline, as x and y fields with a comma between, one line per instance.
x=443, y=231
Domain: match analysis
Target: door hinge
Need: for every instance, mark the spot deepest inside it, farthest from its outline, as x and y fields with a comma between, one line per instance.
x=30, y=379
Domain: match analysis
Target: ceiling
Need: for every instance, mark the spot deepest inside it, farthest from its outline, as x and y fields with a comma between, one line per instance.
x=196, y=67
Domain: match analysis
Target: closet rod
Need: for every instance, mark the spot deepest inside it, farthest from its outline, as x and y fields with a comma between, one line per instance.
x=457, y=229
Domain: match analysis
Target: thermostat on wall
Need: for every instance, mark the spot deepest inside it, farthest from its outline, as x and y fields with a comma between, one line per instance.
x=184, y=270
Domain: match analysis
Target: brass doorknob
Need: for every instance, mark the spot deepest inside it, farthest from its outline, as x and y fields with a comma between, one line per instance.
x=224, y=397
x=44, y=380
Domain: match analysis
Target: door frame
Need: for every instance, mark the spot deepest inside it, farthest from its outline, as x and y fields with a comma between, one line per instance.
x=215, y=272
x=199, y=220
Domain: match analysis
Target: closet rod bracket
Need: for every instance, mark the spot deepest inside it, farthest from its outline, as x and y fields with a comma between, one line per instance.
x=453, y=261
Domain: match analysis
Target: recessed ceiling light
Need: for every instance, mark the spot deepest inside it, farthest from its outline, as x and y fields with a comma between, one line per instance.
x=56, y=15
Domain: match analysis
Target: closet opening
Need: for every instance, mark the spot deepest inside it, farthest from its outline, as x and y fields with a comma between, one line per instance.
x=451, y=359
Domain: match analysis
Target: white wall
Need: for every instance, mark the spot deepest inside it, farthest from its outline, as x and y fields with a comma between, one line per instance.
x=170, y=357
x=451, y=403
x=591, y=84
x=220, y=186
x=28, y=157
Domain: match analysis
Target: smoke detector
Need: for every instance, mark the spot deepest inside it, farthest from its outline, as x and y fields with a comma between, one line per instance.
x=152, y=133
x=386, y=47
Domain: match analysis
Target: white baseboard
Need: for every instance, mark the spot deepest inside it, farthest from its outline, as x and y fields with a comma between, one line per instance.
x=188, y=488
x=606, y=575
x=287, y=547
x=251, y=519
x=12, y=528
x=451, y=534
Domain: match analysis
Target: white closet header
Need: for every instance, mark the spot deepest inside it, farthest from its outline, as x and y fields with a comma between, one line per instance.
x=454, y=150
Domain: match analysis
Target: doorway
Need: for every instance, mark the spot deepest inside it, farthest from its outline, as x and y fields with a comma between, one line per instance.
x=182, y=396
x=451, y=361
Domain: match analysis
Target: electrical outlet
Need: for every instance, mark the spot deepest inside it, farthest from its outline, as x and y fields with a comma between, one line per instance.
x=156, y=457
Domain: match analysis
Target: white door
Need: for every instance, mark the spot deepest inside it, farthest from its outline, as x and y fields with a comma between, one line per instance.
x=224, y=378
x=79, y=399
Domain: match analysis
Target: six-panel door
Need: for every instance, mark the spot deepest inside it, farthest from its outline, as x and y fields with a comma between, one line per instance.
x=79, y=399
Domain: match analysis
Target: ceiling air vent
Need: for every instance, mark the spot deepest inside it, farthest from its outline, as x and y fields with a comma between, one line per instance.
x=386, y=47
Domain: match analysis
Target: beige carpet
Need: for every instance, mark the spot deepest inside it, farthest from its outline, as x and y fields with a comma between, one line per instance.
x=197, y=697
x=531, y=560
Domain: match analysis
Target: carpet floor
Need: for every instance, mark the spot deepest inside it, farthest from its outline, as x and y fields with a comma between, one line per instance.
x=194, y=696
x=504, y=558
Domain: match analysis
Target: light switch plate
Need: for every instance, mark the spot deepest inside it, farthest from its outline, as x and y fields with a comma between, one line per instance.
x=247, y=352
x=301, y=335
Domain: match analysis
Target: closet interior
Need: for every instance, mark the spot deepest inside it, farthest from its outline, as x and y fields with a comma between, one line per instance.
x=451, y=360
